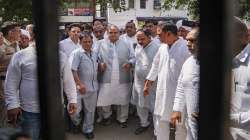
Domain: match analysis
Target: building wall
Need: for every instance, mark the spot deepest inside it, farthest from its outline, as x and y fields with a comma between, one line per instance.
x=120, y=18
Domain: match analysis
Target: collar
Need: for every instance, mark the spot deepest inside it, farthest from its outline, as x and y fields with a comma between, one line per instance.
x=149, y=44
x=176, y=42
x=7, y=42
x=243, y=55
x=69, y=40
x=111, y=43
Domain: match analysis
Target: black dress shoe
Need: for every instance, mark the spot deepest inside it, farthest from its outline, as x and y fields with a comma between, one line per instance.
x=106, y=122
x=123, y=124
x=89, y=135
x=140, y=130
x=75, y=129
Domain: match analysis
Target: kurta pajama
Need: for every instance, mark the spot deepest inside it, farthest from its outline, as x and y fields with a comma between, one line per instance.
x=167, y=66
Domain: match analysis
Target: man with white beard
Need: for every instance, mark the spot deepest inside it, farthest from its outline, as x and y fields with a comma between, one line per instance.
x=167, y=66
x=117, y=59
x=144, y=54
x=187, y=91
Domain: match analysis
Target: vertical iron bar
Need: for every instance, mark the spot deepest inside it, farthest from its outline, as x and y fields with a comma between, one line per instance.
x=215, y=54
x=46, y=24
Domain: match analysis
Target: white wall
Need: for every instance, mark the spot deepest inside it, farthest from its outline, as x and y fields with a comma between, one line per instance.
x=120, y=18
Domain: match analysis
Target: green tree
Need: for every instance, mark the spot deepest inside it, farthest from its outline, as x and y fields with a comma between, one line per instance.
x=16, y=10
x=242, y=7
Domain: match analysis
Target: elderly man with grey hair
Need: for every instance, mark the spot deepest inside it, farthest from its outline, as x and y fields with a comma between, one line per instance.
x=117, y=59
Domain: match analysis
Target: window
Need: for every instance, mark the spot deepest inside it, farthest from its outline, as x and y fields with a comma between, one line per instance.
x=143, y=4
x=117, y=3
x=131, y=4
x=157, y=4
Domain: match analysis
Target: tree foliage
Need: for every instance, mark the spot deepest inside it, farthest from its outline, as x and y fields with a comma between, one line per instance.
x=242, y=7
x=16, y=10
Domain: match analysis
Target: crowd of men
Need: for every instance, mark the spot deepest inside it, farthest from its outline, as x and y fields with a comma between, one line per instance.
x=154, y=68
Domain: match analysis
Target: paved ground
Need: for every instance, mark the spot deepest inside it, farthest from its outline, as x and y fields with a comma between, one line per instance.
x=115, y=132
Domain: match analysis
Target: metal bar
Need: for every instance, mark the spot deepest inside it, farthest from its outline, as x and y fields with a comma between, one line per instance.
x=215, y=54
x=45, y=17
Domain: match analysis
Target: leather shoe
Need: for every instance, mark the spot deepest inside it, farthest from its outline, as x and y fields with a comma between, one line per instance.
x=123, y=124
x=106, y=122
x=89, y=135
x=140, y=130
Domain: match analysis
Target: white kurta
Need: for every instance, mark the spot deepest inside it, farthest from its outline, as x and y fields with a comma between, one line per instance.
x=22, y=77
x=241, y=95
x=167, y=65
x=144, y=59
x=67, y=46
x=114, y=93
x=187, y=95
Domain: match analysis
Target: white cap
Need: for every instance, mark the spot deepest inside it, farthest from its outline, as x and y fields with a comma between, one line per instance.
x=24, y=32
x=179, y=24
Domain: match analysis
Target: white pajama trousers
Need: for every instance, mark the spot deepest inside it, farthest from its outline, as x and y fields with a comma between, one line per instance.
x=143, y=114
x=121, y=113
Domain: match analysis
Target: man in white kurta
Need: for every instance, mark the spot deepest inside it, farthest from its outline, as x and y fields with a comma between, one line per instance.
x=98, y=34
x=21, y=90
x=144, y=54
x=152, y=26
x=187, y=91
x=130, y=37
x=240, y=101
x=116, y=59
x=72, y=42
x=167, y=66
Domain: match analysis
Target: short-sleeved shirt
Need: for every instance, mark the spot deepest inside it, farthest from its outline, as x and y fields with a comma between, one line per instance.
x=86, y=66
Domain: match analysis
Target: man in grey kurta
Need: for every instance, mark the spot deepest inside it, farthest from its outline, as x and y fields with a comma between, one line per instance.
x=144, y=54
x=116, y=59
x=84, y=67
x=21, y=90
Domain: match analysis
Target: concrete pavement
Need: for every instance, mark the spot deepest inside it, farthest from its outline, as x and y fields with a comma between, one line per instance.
x=115, y=132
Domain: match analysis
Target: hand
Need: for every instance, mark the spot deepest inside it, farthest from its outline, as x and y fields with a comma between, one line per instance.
x=145, y=91
x=72, y=108
x=147, y=85
x=102, y=67
x=126, y=66
x=176, y=116
x=81, y=87
x=13, y=115
x=1, y=96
